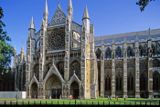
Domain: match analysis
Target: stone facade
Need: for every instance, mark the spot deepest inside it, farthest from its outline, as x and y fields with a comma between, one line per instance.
x=65, y=58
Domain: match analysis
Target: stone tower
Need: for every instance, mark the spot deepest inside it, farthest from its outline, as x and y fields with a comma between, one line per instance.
x=31, y=33
x=90, y=66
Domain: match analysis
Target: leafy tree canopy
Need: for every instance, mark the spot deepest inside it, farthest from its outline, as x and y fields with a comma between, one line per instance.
x=143, y=3
x=6, y=50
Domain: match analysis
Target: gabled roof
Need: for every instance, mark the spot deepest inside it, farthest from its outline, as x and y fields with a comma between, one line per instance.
x=58, y=18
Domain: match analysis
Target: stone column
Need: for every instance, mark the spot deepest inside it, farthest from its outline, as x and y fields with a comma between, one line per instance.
x=113, y=72
x=150, y=74
x=29, y=92
x=137, y=82
x=125, y=70
x=102, y=73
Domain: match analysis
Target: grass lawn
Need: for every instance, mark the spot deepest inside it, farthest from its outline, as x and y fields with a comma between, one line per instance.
x=98, y=101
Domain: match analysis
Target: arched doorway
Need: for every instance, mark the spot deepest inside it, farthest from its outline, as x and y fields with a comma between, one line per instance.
x=74, y=90
x=53, y=87
x=34, y=90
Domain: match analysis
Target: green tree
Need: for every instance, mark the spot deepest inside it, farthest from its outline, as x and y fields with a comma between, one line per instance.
x=143, y=3
x=6, y=50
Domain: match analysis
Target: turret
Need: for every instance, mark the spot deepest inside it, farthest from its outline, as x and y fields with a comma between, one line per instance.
x=45, y=14
x=22, y=57
x=68, y=33
x=89, y=64
x=86, y=21
x=70, y=8
x=31, y=34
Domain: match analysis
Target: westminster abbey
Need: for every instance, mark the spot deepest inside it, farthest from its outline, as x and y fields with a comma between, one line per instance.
x=65, y=58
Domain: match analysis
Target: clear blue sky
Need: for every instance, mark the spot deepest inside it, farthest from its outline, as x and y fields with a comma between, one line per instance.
x=108, y=16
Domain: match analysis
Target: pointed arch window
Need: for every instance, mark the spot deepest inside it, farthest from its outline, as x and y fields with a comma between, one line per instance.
x=119, y=52
x=99, y=53
x=130, y=52
x=75, y=67
x=108, y=53
x=143, y=50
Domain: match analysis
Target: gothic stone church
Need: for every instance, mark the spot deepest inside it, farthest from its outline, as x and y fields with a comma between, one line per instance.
x=65, y=58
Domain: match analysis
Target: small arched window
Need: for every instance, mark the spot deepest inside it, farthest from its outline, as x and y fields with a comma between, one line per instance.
x=130, y=52
x=143, y=50
x=108, y=53
x=119, y=52
x=98, y=53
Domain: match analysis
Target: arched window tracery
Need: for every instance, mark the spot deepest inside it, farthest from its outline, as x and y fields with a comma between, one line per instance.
x=143, y=50
x=119, y=52
x=108, y=53
x=75, y=67
x=99, y=53
x=130, y=52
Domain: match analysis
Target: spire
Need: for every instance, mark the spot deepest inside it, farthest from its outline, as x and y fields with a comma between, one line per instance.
x=22, y=54
x=59, y=6
x=32, y=24
x=42, y=24
x=46, y=10
x=22, y=51
x=86, y=15
x=70, y=7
